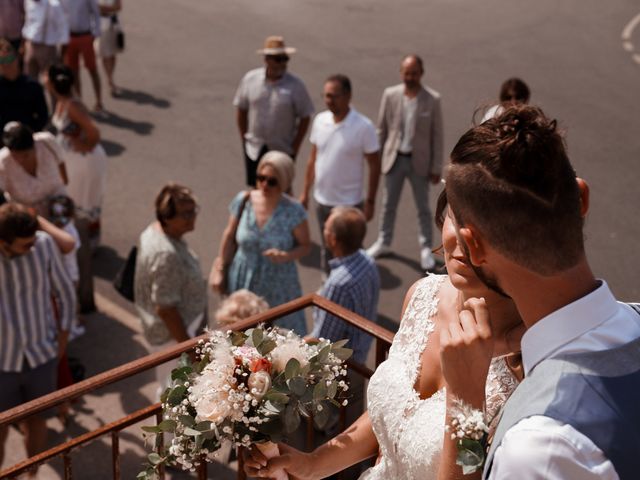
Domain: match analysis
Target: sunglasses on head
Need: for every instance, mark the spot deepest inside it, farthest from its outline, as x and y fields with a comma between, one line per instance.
x=271, y=181
x=279, y=58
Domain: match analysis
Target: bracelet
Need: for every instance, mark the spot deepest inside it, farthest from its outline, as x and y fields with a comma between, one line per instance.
x=469, y=428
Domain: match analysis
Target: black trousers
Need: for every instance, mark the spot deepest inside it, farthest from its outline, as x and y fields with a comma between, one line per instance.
x=251, y=166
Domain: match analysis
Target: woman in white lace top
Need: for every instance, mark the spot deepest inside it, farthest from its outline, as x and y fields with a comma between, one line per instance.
x=404, y=424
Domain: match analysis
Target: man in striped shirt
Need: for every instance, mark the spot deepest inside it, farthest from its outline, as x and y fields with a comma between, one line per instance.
x=31, y=339
x=353, y=282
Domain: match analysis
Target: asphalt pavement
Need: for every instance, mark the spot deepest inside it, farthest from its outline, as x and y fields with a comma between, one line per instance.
x=175, y=121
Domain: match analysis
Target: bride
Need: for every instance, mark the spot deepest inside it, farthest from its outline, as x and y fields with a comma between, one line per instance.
x=404, y=424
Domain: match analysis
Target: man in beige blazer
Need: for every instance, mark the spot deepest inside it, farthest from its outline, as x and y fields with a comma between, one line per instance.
x=410, y=131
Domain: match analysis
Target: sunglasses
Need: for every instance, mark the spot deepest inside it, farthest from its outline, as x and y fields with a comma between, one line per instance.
x=278, y=58
x=271, y=181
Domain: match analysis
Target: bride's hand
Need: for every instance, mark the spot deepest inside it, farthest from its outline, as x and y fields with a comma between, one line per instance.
x=296, y=463
x=466, y=349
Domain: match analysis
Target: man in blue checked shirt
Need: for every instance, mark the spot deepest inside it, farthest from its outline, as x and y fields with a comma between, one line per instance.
x=31, y=339
x=352, y=283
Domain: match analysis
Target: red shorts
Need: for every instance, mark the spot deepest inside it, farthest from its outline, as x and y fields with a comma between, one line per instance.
x=81, y=45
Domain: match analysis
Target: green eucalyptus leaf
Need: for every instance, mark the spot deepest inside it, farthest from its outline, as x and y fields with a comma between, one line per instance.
x=342, y=353
x=291, y=419
x=332, y=389
x=323, y=355
x=203, y=426
x=276, y=397
x=320, y=417
x=274, y=407
x=340, y=343
x=151, y=428
x=320, y=391
x=176, y=395
x=168, y=425
x=154, y=458
x=181, y=373
x=256, y=336
x=266, y=346
x=292, y=368
x=297, y=385
x=192, y=432
x=238, y=339
x=187, y=420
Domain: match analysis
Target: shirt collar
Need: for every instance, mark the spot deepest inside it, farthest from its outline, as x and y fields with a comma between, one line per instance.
x=566, y=324
x=337, y=261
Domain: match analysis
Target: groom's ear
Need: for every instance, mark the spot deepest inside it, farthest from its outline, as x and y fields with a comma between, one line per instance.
x=583, y=186
x=475, y=244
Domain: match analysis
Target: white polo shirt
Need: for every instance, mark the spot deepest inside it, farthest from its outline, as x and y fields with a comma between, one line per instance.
x=339, y=169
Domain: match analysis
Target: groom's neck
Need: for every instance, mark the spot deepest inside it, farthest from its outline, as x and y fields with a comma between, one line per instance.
x=537, y=296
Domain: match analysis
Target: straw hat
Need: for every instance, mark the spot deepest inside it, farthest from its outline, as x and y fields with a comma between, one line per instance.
x=274, y=45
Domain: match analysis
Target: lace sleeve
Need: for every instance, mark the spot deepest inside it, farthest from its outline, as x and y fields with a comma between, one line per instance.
x=417, y=321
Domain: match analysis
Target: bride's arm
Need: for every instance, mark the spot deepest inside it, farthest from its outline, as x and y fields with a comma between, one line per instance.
x=356, y=443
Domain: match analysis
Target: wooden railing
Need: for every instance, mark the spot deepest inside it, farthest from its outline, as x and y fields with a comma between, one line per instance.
x=383, y=339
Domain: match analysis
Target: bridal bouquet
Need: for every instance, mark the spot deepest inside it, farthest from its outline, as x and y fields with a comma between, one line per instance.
x=246, y=388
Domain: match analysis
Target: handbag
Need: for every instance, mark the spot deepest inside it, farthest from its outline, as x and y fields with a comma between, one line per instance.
x=224, y=286
x=119, y=33
x=123, y=282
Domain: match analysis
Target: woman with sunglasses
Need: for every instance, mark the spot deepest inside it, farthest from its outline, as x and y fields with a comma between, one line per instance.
x=271, y=233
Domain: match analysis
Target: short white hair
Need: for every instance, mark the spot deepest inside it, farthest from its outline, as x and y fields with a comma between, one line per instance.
x=240, y=305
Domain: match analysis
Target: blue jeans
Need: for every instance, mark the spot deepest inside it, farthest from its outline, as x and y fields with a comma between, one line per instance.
x=393, y=183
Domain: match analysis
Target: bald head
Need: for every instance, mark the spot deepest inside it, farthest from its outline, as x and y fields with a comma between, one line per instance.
x=411, y=70
x=344, y=230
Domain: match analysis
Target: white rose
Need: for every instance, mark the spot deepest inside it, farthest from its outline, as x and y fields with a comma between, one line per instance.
x=288, y=349
x=214, y=408
x=259, y=383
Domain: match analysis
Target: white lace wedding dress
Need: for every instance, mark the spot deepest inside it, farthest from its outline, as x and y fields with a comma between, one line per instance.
x=410, y=430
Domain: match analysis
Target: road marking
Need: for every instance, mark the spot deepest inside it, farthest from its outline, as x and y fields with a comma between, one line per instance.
x=627, y=32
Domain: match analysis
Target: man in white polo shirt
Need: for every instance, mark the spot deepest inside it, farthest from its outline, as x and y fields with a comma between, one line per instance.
x=341, y=140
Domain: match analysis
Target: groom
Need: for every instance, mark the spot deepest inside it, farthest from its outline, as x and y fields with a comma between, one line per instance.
x=519, y=210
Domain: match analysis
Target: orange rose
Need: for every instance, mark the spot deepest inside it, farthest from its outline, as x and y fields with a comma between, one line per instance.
x=260, y=364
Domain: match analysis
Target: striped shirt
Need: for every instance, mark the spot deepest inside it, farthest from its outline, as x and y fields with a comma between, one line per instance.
x=354, y=284
x=28, y=328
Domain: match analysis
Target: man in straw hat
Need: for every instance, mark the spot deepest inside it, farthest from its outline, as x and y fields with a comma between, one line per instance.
x=273, y=107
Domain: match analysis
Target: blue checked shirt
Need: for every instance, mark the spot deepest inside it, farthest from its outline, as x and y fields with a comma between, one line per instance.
x=354, y=284
x=28, y=328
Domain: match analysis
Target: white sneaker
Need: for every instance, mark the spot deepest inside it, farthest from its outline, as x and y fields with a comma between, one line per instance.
x=427, y=262
x=378, y=249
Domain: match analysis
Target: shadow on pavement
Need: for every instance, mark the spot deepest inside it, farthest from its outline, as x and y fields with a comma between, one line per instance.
x=113, y=149
x=106, y=263
x=115, y=120
x=388, y=279
x=142, y=98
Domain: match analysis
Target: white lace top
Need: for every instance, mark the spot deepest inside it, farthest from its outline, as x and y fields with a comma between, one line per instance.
x=410, y=430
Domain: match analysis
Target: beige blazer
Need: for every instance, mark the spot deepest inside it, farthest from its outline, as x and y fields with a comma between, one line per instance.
x=427, y=148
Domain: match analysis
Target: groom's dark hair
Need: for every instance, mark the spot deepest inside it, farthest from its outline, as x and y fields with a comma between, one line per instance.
x=511, y=178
